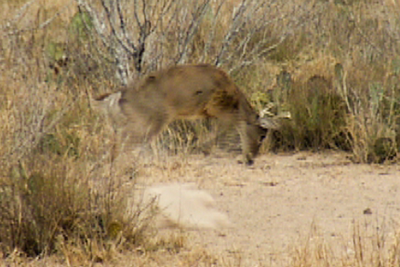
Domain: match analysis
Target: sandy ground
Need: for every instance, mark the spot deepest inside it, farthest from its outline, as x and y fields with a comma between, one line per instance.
x=284, y=200
x=281, y=209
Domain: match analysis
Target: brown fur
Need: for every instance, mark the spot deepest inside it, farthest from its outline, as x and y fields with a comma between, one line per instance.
x=185, y=92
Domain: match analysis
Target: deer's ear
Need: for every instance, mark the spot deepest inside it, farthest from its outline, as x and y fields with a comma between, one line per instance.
x=274, y=123
x=106, y=102
x=268, y=123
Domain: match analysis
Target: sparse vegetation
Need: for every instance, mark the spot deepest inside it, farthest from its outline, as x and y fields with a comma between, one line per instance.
x=334, y=65
x=368, y=247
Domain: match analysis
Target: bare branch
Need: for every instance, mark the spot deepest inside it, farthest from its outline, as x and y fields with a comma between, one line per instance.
x=192, y=29
x=19, y=14
x=135, y=12
x=232, y=32
x=98, y=26
x=173, y=28
x=115, y=33
x=211, y=35
x=123, y=26
x=41, y=26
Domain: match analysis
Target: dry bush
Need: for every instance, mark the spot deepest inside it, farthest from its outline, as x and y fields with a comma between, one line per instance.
x=55, y=195
x=318, y=111
x=154, y=34
x=59, y=192
x=362, y=76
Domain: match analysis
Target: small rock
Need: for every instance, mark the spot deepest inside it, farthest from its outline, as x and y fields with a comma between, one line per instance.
x=367, y=211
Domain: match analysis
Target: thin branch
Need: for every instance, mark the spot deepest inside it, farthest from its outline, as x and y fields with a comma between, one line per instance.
x=211, y=35
x=144, y=11
x=135, y=13
x=47, y=22
x=192, y=29
x=165, y=9
x=114, y=31
x=41, y=26
x=19, y=14
x=122, y=26
x=232, y=32
x=98, y=26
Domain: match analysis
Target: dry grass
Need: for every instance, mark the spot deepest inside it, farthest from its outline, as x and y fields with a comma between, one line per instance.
x=366, y=247
x=336, y=70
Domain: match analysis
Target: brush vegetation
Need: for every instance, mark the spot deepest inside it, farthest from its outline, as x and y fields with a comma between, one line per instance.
x=334, y=65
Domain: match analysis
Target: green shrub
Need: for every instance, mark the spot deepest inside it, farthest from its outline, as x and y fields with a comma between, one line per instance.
x=318, y=117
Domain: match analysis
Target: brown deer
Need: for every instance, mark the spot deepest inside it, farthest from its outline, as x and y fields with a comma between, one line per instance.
x=185, y=92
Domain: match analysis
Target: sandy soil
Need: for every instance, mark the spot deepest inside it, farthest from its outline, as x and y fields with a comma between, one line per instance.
x=284, y=200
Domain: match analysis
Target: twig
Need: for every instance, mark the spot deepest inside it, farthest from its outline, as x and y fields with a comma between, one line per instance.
x=211, y=35
x=232, y=32
x=192, y=29
x=41, y=26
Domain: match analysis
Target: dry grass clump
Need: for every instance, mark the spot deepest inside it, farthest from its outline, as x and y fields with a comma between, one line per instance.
x=56, y=197
x=369, y=246
x=59, y=194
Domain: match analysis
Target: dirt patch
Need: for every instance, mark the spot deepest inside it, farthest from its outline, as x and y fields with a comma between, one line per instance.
x=284, y=200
